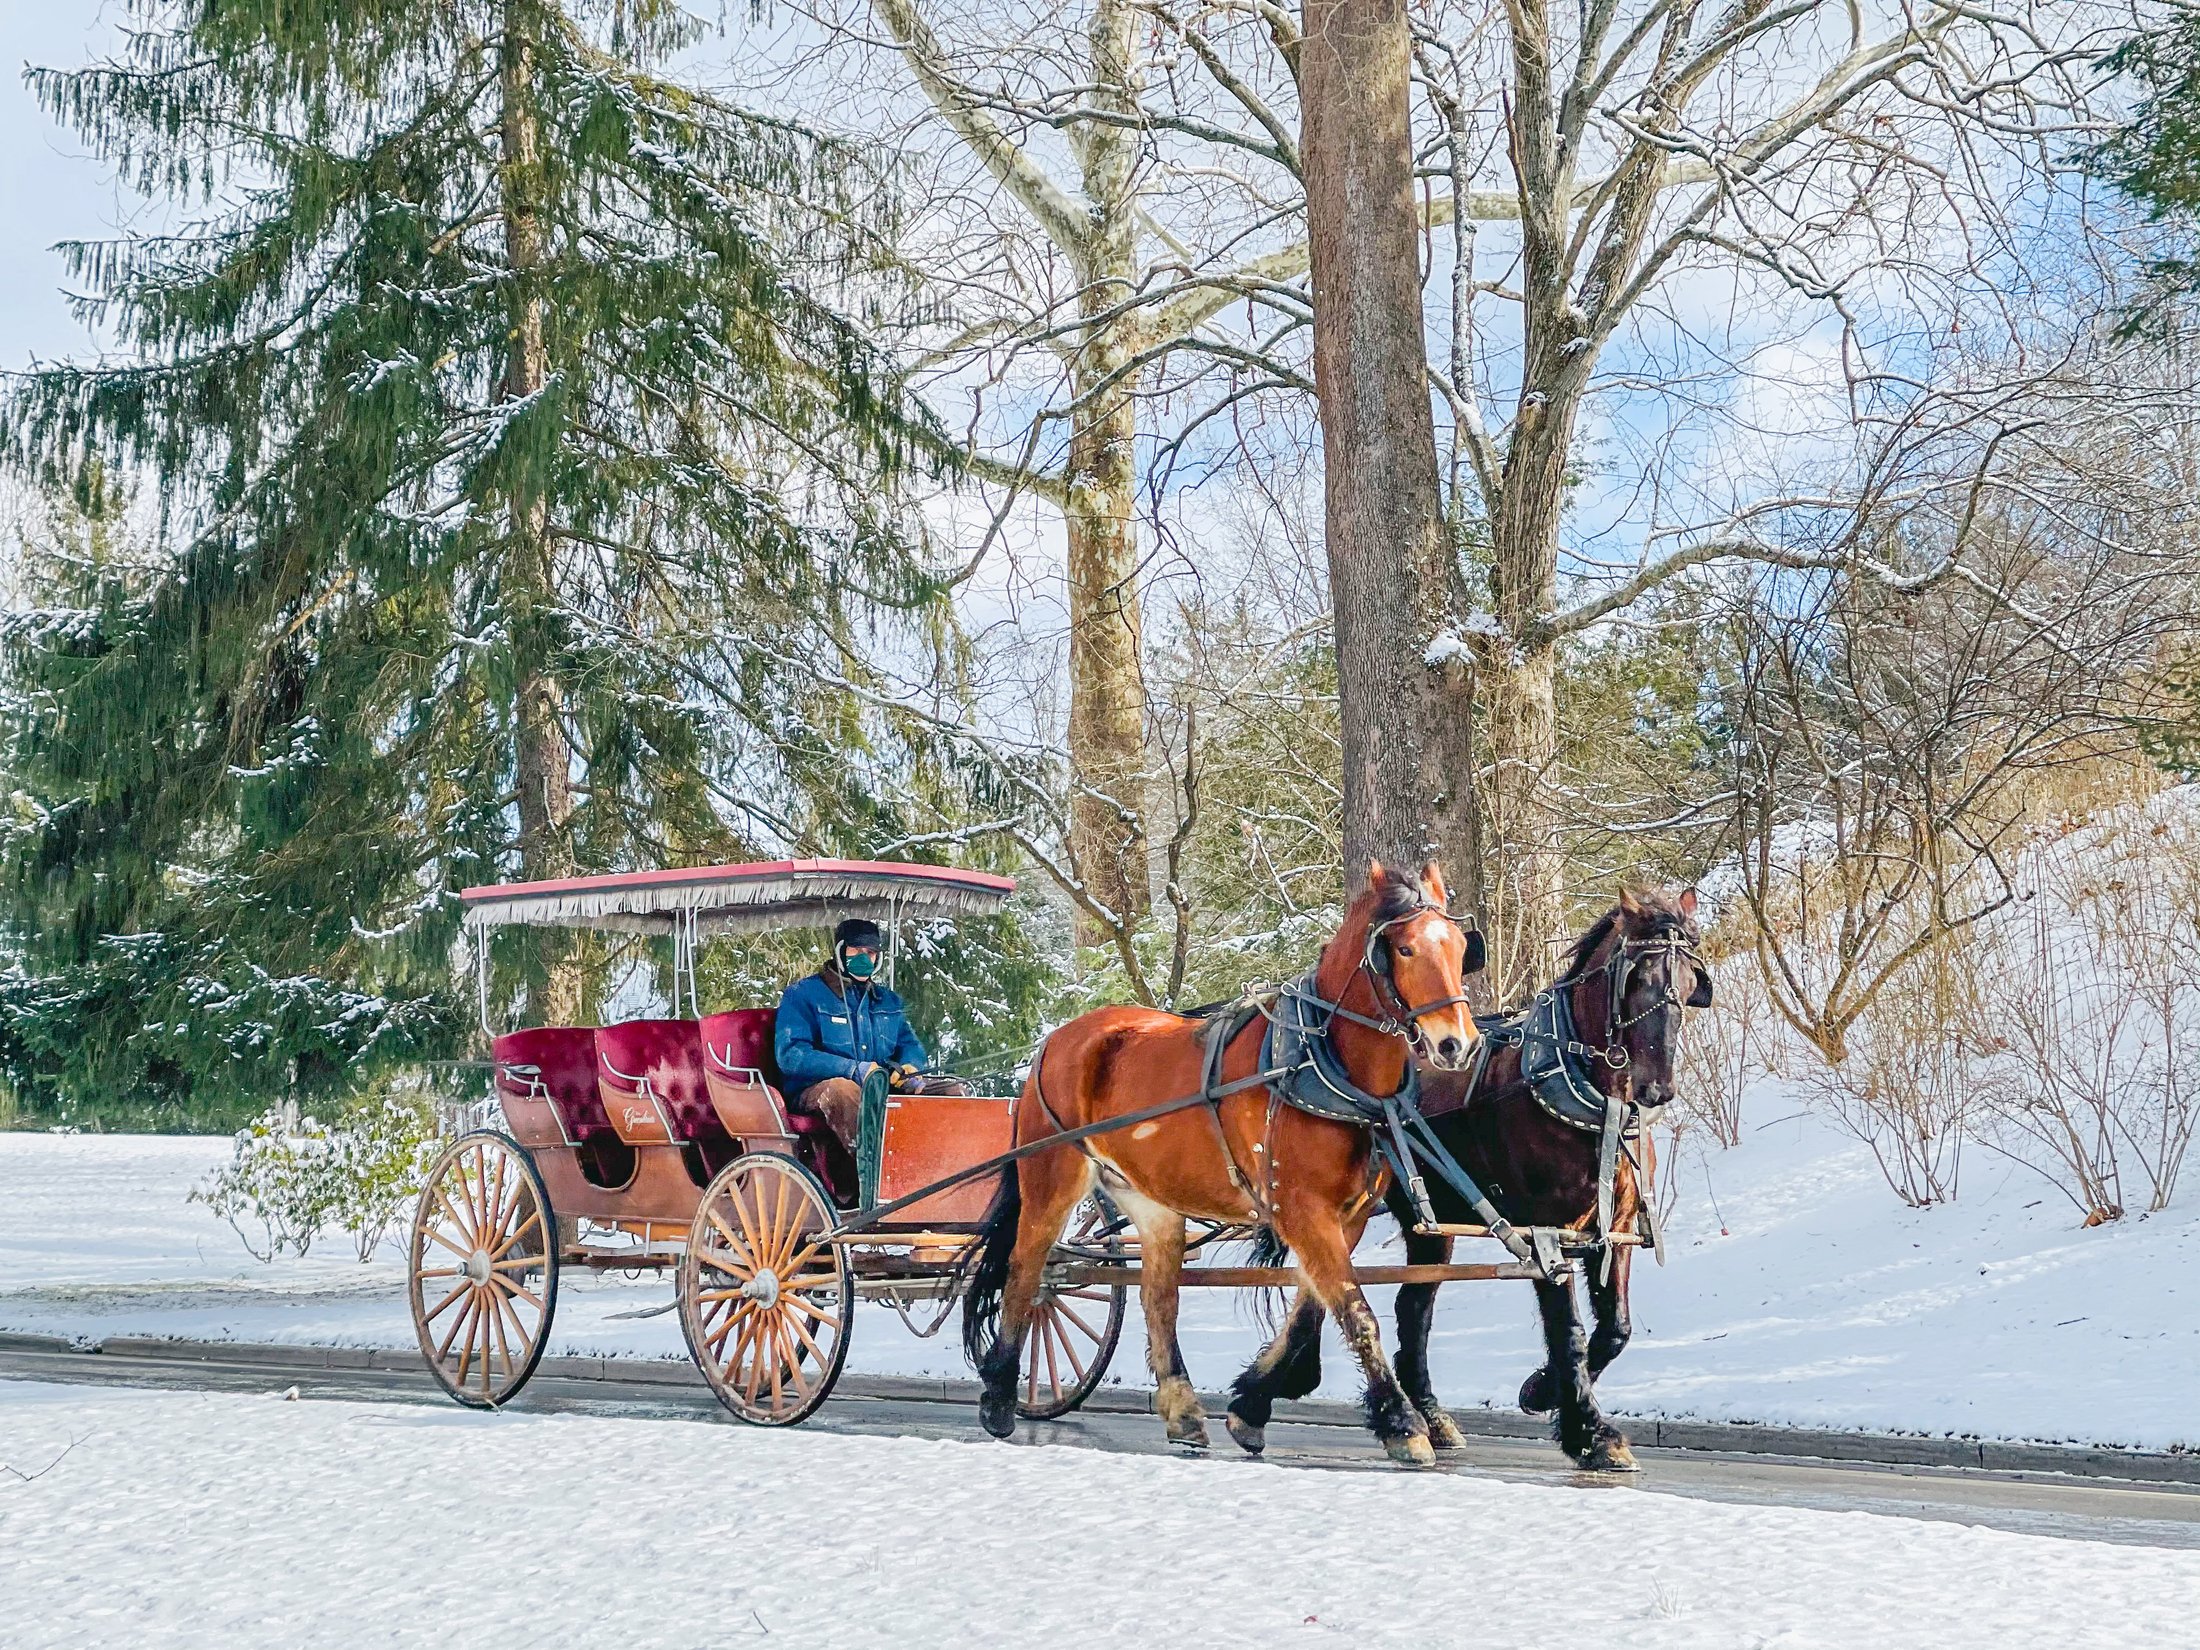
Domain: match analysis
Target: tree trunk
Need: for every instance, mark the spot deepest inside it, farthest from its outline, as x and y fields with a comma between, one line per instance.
x=543, y=757
x=1519, y=685
x=1107, y=715
x=1390, y=571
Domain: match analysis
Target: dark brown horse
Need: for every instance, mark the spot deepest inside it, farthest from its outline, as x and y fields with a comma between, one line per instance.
x=1388, y=983
x=1626, y=982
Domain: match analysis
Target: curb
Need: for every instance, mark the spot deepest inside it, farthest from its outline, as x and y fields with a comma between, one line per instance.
x=1709, y=1437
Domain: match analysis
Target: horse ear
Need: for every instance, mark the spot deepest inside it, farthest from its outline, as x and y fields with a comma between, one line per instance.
x=1688, y=903
x=1377, y=872
x=1630, y=901
x=1432, y=884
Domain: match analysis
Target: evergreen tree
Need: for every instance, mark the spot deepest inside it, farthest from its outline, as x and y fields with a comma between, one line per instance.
x=493, y=371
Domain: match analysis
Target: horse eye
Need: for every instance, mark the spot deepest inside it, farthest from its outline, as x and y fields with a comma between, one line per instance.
x=1404, y=950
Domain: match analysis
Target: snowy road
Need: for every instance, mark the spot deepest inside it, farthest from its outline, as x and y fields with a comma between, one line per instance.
x=2035, y=1504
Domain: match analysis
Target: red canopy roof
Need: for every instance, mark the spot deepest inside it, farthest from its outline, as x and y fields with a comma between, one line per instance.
x=780, y=893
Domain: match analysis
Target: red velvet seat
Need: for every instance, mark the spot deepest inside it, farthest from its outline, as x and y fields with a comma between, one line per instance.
x=740, y=1042
x=546, y=1079
x=651, y=1074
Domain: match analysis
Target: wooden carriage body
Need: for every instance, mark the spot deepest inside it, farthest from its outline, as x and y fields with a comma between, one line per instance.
x=668, y=1143
x=628, y=1124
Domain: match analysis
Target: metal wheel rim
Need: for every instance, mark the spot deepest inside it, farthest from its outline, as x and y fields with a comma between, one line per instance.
x=1073, y=1331
x=770, y=1347
x=482, y=1273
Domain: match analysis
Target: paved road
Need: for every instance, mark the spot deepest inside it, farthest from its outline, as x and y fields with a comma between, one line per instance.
x=2163, y=1515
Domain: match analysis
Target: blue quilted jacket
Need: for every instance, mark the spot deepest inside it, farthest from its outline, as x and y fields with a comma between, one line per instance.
x=819, y=1034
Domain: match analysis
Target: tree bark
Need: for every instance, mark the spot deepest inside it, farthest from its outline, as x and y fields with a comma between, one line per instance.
x=1107, y=715
x=1391, y=574
x=542, y=756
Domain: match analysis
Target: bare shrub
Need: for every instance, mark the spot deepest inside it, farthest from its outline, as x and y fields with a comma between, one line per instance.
x=1906, y=1088
x=2095, y=1008
x=1725, y=1048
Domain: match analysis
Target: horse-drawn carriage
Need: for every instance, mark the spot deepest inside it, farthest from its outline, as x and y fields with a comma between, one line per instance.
x=666, y=1143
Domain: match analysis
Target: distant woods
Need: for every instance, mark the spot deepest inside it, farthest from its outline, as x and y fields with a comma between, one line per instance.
x=1750, y=447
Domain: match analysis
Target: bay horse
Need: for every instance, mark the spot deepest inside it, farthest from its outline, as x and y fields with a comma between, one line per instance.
x=1391, y=980
x=1625, y=981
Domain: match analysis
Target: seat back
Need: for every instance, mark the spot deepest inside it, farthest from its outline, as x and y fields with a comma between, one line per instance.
x=741, y=1077
x=651, y=1074
x=546, y=1080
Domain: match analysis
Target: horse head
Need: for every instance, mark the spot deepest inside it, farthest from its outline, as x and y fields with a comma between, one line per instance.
x=1413, y=962
x=1631, y=975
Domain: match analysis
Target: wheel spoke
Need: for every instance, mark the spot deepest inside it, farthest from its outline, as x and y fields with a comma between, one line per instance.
x=438, y=1237
x=779, y=1219
x=728, y=1324
x=1083, y=1327
x=443, y=1347
x=1047, y=1333
x=533, y=1220
x=816, y=1314
x=739, y=1195
x=794, y=1326
x=503, y=1344
x=726, y=1261
x=492, y=1193
x=1069, y=1352
x=443, y=1305
x=519, y=1289
x=744, y=1253
x=465, y=1228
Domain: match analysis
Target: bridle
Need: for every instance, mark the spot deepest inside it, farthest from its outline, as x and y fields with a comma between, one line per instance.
x=1398, y=1017
x=1619, y=966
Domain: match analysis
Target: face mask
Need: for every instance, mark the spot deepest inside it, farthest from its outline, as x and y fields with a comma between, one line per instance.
x=859, y=965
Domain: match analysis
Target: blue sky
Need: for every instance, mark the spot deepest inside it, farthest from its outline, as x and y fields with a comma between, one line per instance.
x=51, y=189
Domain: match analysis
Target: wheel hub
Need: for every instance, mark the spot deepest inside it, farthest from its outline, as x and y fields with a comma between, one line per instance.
x=477, y=1266
x=763, y=1288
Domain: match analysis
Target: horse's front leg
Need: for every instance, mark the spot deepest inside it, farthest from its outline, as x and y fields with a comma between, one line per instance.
x=1416, y=1311
x=1318, y=1238
x=1583, y=1432
x=1615, y=1325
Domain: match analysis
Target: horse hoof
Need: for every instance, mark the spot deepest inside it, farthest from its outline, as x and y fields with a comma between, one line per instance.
x=1443, y=1431
x=1251, y=1439
x=1413, y=1450
x=1190, y=1432
x=1535, y=1393
x=1610, y=1455
x=997, y=1416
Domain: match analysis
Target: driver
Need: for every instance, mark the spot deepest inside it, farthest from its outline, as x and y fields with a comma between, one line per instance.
x=839, y=1025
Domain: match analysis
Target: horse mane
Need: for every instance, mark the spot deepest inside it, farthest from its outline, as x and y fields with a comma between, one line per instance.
x=1655, y=912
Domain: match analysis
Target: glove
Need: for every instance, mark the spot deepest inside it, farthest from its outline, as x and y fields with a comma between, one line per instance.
x=903, y=1079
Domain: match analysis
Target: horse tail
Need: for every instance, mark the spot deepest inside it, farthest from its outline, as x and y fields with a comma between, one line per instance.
x=984, y=1267
x=1267, y=1300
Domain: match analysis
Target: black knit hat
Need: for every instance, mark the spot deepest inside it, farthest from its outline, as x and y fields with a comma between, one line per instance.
x=855, y=931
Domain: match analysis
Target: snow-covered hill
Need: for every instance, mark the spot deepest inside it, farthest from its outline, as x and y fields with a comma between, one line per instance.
x=1824, y=1301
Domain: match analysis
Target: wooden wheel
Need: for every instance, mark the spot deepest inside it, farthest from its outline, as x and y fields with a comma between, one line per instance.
x=766, y=1308
x=1073, y=1329
x=483, y=1272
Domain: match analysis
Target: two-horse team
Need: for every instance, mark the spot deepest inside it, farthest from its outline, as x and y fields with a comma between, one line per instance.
x=1304, y=1113
x=1290, y=1116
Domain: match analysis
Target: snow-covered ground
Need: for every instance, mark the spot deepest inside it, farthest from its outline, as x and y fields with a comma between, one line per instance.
x=1826, y=1303
x=198, y=1519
